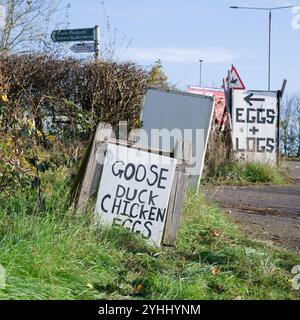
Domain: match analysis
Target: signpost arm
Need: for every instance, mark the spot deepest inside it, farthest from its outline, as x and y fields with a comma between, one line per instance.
x=283, y=88
x=97, y=42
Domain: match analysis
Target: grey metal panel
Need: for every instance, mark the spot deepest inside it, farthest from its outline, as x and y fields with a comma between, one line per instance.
x=178, y=110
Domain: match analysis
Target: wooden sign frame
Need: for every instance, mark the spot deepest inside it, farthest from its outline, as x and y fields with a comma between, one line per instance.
x=89, y=177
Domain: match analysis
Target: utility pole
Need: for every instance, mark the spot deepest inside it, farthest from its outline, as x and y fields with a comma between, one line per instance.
x=270, y=31
x=200, y=78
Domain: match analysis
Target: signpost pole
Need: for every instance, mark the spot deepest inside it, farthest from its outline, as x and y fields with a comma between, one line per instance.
x=278, y=129
x=97, y=42
x=200, y=79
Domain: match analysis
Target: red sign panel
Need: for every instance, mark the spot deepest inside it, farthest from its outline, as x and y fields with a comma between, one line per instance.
x=220, y=102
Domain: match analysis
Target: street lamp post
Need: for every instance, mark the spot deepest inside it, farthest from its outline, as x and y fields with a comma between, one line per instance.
x=200, y=78
x=270, y=31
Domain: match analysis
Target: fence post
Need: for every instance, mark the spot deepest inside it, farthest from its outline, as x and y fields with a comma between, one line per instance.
x=182, y=153
x=92, y=173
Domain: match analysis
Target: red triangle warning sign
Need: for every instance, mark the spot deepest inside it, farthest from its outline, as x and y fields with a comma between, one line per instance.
x=235, y=82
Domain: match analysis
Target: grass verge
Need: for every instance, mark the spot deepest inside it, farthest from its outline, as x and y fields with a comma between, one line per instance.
x=51, y=254
x=245, y=173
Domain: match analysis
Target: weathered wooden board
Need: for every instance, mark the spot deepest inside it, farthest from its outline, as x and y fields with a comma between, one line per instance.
x=92, y=174
x=183, y=155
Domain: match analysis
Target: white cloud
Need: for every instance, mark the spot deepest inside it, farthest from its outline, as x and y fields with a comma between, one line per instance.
x=178, y=55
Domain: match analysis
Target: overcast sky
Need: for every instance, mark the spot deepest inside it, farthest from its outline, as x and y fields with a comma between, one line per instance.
x=182, y=32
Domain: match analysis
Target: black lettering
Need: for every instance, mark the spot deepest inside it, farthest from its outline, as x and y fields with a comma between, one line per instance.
x=134, y=225
x=270, y=116
x=131, y=210
x=151, y=197
x=238, y=147
x=161, y=215
x=152, y=168
x=239, y=113
x=119, y=172
x=125, y=207
x=161, y=177
x=270, y=145
x=115, y=205
x=129, y=176
x=116, y=221
x=125, y=221
x=102, y=202
x=252, y=119
x=140, y=196
x=152, y=214
x=147, y=226
x=134, y=193
x=142, y=213
x=123, y=190
x=138, y=171
x=260, y=148
x=260, y=119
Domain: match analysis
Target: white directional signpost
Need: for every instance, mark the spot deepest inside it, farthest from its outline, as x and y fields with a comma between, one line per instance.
x=254, y=123
x=83, y=47
x=73, y=35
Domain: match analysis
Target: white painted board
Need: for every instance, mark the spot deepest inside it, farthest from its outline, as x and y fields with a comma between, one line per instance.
x=83, y=47
x=254, y=121
x=171, y=115
x=134, y=191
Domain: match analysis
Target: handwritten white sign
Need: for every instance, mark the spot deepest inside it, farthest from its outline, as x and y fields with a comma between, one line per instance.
x=134, y=191
x=254, y=120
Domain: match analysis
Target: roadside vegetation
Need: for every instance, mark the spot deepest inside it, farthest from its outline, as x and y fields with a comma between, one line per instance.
x=49, y=108
x=50, y=253
x=233, y=172
x=222, y=168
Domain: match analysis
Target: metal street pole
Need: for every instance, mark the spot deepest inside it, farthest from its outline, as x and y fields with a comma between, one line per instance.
x=269, y=69
x=200, y=79
x=97, y=43
x=270, y=32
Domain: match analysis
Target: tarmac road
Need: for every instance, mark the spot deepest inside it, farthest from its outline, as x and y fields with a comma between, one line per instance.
x=270, y=213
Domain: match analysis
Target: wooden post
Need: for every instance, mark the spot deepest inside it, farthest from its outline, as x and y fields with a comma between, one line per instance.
x=280, y=94
x=278, y=129
x=182, y=153
x=93, y=170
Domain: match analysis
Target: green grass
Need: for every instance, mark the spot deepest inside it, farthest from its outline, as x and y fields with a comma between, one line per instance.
x=245, y=173
x=52, y=254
